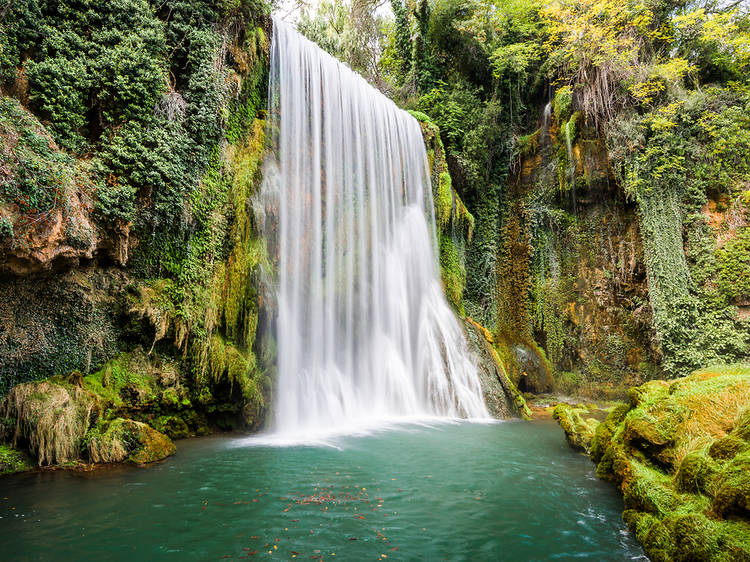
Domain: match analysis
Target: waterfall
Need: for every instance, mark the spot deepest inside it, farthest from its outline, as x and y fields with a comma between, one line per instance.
x=364, y=331
x=569, y=148
x=571, y=158
x=545, y=122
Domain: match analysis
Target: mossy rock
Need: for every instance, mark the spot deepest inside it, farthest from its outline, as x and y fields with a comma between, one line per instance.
x=742, y=426
x=679, y=453
x=579, y=428
x=694, y=537
x=648, y=392
x=123, y=440
x=605, y=430
x=13, y=460
x=173, y=426
x=654, y=435
x=696, y=472
x=649, y=490
x=732, y=496
x=727, y=447
x=650, y=532
x=51, y=416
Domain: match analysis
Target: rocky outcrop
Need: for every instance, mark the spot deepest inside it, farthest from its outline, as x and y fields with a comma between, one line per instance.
x=502, y=398
x=584, y=283
x=577, y=423
x=46, y=202
x=108, y=416
x=126, y=440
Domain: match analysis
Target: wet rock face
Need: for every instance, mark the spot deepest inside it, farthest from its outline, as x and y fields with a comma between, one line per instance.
x=533, y=376
x=56, y=323
x=500, y=394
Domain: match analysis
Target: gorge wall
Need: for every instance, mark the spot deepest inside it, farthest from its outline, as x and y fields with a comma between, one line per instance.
x=133, y=269
x=621, y=276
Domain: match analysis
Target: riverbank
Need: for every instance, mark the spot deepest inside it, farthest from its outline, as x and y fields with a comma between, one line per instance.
x=679, y=452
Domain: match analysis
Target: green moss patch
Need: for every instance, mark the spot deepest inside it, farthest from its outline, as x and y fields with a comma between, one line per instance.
x=680, y=454
x=577, y=423
x=13, y=460
x=126, y=440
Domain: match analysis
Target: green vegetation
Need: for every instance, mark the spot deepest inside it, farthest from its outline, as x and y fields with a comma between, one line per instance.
x=37, y=176
x=13, y=460
x=455, y=223
x=679, y=453
x=127, y=440
x=153, y=107
x=577, y=423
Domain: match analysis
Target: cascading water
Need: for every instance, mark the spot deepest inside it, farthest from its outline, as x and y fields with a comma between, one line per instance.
x=364, y=331
x=546, y=116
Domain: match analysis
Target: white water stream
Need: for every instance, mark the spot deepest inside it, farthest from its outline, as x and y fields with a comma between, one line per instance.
x=364, y=331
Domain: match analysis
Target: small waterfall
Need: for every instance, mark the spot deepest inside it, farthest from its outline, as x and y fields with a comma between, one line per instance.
x=571, y=158
x=364, y=331
x=546, y=117
x=569, y=147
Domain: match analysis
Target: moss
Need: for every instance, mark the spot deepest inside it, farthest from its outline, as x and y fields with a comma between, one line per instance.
x=649, y=490
x=732, y=496
x=579, y=430
x=677, y=452
x=13, y=460
x=124, y=381
x=727, y=447
x=50, y=417
x=419, y=116
x=733, y=261
x=529, y=144
x=562, y=103
x=566, y=381
x=605, y=431
x=650, y=530
x=455, y=224
x=172, y=426
x=696, y=472
x=452, y=271
x=444, y=201
x=741, y=428
x=647, y=431
x=126, y=440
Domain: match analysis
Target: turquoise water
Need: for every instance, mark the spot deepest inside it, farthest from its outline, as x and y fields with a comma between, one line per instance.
x=505, y=491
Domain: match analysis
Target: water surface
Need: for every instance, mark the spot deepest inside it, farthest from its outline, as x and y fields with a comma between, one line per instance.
x=503, y=491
